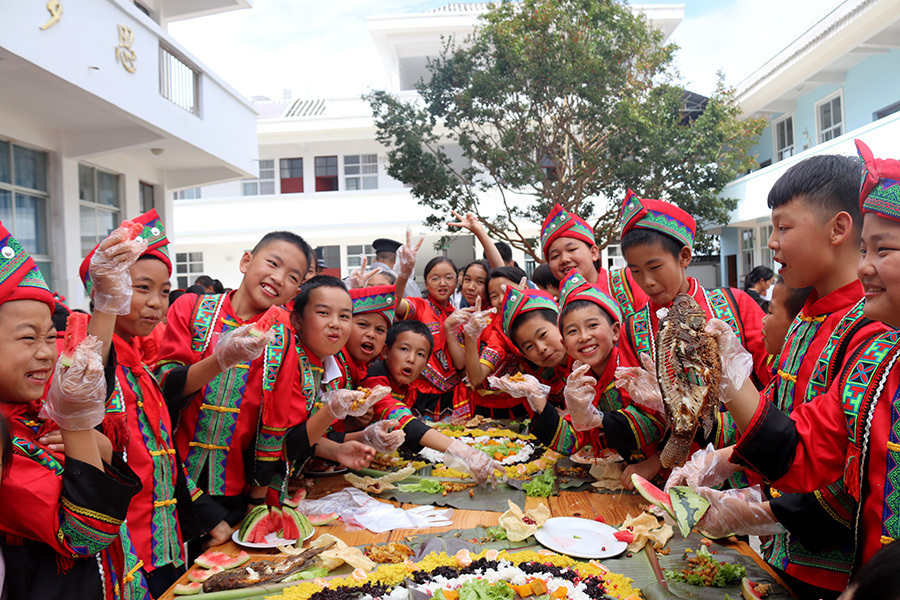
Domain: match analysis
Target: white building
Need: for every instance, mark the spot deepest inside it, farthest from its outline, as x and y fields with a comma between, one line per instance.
x=322, y=172
x=103, y=116
x=836, y=82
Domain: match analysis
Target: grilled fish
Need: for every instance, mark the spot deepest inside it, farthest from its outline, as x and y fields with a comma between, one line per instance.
x=688, y=368
x=260, y=572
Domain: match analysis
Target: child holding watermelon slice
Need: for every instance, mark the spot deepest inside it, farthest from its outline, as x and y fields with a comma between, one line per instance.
x=166, y=510
x=62, y=516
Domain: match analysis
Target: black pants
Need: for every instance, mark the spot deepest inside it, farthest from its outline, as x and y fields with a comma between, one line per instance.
x=162, y=578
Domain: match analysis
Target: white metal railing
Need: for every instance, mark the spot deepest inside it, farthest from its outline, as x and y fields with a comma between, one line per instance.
x=178, y=81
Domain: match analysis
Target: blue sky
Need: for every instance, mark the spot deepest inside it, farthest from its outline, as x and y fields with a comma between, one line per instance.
x=323, y=49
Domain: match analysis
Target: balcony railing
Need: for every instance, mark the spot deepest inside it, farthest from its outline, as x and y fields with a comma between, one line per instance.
x=179, y=82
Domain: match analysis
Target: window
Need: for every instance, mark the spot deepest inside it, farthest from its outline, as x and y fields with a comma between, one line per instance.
x=147, y=196
x=353, y=253
x=331, y=255
x=291, y=175
x=550, y=167
x=188, y=267
x=886, y=111
x=191, y=194
x=615, y=260
x=326, y=173
x=766, y=254
x=830, y=118
x=748, y=244
x=784, y=138
x=361, y=172
x=24, y=199
x=100, y=205
x=265, y=184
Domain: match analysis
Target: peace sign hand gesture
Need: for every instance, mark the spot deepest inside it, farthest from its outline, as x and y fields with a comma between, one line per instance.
x=406, y=255
x=360, y=278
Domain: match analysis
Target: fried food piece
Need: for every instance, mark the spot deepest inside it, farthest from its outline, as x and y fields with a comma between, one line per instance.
x=392, y=553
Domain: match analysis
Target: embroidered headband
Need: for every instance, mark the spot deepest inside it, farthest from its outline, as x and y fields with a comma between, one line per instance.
x=562, y=223
x=517, y=302
x=20, y=278
x=576, y=287
x=658, y=215
x=879, y=191
x=378, y=299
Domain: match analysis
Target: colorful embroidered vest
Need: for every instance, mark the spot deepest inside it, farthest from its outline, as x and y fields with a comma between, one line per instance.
x=620, y=289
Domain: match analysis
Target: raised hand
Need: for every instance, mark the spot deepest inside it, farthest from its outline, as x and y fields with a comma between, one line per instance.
x=406, y=255
x=76, y=400
x=360, y=278
x=579, y=393
x=478, y=321
x=524, y=386
x=468, y=221
x=110, y=274
x=641, y=384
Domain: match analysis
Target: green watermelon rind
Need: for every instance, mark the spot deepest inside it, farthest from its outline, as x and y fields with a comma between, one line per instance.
x=747, y=591
x=653, y=494
x=303, y=525
x=300, y=494
x=187, y=589
x=211, y=559
x=256, y=515
x=692, y=505
x=199, y=574
x=323, y=519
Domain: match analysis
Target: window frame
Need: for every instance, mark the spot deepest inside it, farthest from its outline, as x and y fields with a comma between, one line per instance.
x=116, y=210
x=838, y=95
x=194, y=193
x=259, y=181
x=360, y=176
x=777, y=154
x=44, y=195
x=353, y=259
x=748, y=253
x=187, y=260
x=766, y=255
x=292, y=182
x=143, y=187
x=335, y=178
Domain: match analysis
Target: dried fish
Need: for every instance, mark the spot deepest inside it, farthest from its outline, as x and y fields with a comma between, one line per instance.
x=260, y=572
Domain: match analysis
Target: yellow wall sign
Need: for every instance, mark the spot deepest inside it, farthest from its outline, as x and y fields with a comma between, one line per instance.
x=56, y=12
x=125, y=54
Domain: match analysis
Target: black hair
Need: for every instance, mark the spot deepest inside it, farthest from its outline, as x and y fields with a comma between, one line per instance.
x=290, y=238
x=796, y=298
x=579, y=304
x=759, y=273
x=218, y=287
x=435, y=262
x=306, y=290
x=514, y=274
x=204, y=280
x=60, y=315
x=828, y=183
x=412, y=325
x=196, y=289
x=879, y=579
x=175, y=295
x=5, y=448
x=381, y=256
x=543, y=277
x=504, y=249
x=391, y=277
x=647, y=237
x=479, y=263
x=547, y=314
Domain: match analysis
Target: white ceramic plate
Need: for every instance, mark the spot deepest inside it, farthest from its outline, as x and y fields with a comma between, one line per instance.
x=581, y=538
x=272, y=540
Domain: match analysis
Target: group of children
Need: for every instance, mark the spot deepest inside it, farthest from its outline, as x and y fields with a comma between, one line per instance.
x=168, y=423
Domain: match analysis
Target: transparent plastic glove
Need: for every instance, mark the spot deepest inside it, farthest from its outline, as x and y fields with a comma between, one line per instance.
x=529, y=387
x=737, y=363
x=478, y=321
x=737, y=512
x=465, y=458
x=353, y=403
x=406, y=255
x=641, y=384
x=110, y=274
x=360, y=277
x=384, y=436
x=579, y=393
x=707, y=468
x=76, y=400
x=238, y=345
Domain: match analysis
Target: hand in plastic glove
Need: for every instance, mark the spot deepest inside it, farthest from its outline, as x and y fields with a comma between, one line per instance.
x=528, y=387
x=641, y=384
x=360, y=278
x=76, y=400
x=478, y=321
x=384, y=436
x=707, y=468
x=480, y=465
x=457, y=319
x=238, y=346
x=353, y=403
x=743, y=511
x=737, y=363
x=354, y=455
x=406, y=255
x=579, y=394
x=110, y=274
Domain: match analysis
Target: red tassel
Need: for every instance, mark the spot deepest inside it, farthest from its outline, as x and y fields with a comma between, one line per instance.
x=116, y=429
x=63, y=563
x=851, y=471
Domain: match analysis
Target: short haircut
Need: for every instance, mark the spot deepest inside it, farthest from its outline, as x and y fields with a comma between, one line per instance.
x=391, y=277
x=759, y=273
x=514, y=274
x=544, y=313
x=543, y=276
x=579, y=304
x=412, y=325
x=504, y=249
x=828, y=183
x=306, y=290
x=435, y=262
x=796, y=298
x=879, y=578
x=204, y=280
x=290, y=238
x=385, y=256
x=647, y=237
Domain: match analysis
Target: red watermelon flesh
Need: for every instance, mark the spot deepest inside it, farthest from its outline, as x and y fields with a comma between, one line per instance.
x=211, y=559
x=653, y=494
x=76, y=331
x=319, y=520
x=290, y=531
x=271, y=523
x=187, y=589
x=134, y=228
x=294, y=501
x=200, y=575
x=265, y=322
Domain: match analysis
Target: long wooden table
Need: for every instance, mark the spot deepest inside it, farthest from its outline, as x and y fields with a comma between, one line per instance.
x=613, y=508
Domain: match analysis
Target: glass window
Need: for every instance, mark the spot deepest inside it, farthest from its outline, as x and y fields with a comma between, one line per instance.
x=31, y=168
x=24, y=198
x=354, y=252
x=147, y=197
x=4, y=162
x=766, y=254
x=265, y=183
x=361, y=172
x=326, y=173
x=100, y=211
x=831, y=119
x=291, y=175
x=784, y=138
x=188, y=267
x=747, y=249
x=189, y=194
x=331, y=255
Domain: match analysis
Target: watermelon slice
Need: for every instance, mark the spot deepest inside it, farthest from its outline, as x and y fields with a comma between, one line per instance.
x=134, y=228
x=319, y=520
x=750, y=590
x=265, y=322
x=624, y=536
x=76, y=331
x=304, y=528
x=289, y=529
x=250, y=521
x=689, y=507
x=211, y=559
x=271, y=521
x=187, y=589
x=653, y=494
x=294, y=501
x=200, y=575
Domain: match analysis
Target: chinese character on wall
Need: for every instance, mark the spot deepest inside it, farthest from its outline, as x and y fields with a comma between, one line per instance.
x=125, y=54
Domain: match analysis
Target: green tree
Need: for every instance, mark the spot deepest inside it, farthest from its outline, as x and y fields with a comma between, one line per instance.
x=568, y=101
